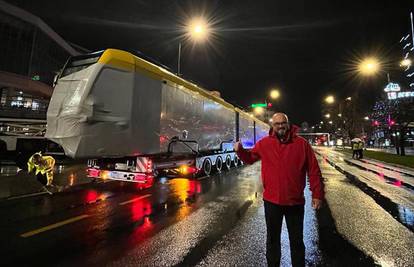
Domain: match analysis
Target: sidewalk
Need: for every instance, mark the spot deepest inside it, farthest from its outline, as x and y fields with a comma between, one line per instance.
x=16, y=184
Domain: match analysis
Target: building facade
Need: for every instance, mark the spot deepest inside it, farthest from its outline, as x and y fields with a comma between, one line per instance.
x=31, y=54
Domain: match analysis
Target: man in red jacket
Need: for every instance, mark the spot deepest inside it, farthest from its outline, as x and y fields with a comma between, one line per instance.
x=286, y=160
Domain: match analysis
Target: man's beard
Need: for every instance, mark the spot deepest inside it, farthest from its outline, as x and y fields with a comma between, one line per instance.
x=281, y=133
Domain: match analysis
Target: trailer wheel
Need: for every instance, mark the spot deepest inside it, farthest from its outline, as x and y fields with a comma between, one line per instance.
x=219, y=164
x=236, y=161
x=207, y=166
x=227, y=163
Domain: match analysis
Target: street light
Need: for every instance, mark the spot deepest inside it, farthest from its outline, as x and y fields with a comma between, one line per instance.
x=258, y=110
x=274, y=94
x=327, y=116
x=330, y=99
x=366, y=118
x=197, y=30
x=369, y=66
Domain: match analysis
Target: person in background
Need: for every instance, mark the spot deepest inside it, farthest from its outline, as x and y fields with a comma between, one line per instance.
x=355, y=148
x=360, y=149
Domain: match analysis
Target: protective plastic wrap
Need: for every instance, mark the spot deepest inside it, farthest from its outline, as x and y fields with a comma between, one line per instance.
x=121, y=109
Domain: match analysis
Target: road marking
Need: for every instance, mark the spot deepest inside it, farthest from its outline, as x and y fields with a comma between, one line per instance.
x=53, y=226
x=28, y=195
x=202, y=178
x=134, y=199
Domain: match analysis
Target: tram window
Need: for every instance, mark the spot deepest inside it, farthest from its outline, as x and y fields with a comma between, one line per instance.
x=79, y=63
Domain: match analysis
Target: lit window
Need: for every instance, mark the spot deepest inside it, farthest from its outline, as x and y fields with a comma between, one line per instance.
x=16, y=103
x=35, y=105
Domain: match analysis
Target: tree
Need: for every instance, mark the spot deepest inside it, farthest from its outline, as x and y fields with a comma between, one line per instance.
x=395, y=115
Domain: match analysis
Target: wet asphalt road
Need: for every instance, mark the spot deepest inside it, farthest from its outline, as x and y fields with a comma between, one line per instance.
x=214, y=221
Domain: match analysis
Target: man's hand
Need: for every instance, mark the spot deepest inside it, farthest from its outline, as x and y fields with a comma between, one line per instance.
x=316, y=203
x=237, y=146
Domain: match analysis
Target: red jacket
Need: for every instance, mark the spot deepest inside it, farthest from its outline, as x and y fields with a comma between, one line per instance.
x=284, y=168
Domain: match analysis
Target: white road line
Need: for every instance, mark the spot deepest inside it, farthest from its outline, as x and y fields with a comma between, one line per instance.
x=28, y=195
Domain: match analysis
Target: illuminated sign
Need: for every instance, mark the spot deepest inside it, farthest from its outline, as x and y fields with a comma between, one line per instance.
x=262, y=105
x=395, y=95
x=392, y=87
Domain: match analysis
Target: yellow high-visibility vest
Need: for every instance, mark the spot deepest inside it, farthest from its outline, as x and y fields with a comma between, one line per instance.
x=42, y=168
x=355, y=146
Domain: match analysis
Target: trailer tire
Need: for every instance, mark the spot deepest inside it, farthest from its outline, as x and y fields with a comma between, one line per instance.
x=219, y=164
x=236, y=161
x=207, y=166
x=227, y=163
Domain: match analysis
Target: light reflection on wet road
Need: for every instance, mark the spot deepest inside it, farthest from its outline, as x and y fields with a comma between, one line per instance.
x=187, y=222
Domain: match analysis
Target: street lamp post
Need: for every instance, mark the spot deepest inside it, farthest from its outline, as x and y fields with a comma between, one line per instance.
x=197, y=30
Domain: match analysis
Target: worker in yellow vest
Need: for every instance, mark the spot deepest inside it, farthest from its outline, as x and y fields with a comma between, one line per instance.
x=360, y=149
x=355, y=152
x=43, y=167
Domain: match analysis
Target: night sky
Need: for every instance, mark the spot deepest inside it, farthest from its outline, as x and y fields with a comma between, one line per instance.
x=305, y=48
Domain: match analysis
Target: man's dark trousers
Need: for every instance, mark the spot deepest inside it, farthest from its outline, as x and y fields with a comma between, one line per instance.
x=294, y=221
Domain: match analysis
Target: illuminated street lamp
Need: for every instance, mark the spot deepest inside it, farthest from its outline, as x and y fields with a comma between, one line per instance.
x=197, y=30
x=330, y=99
x=340, y=115
x=330, y=122
x=258, y=110
x=369, y=66
x=327, y=116
x=366, y=118
x=274, y=94
x=348, y=98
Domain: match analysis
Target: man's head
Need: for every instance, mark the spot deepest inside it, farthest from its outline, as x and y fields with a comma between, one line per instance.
x=37, y=159
x=280, y=124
